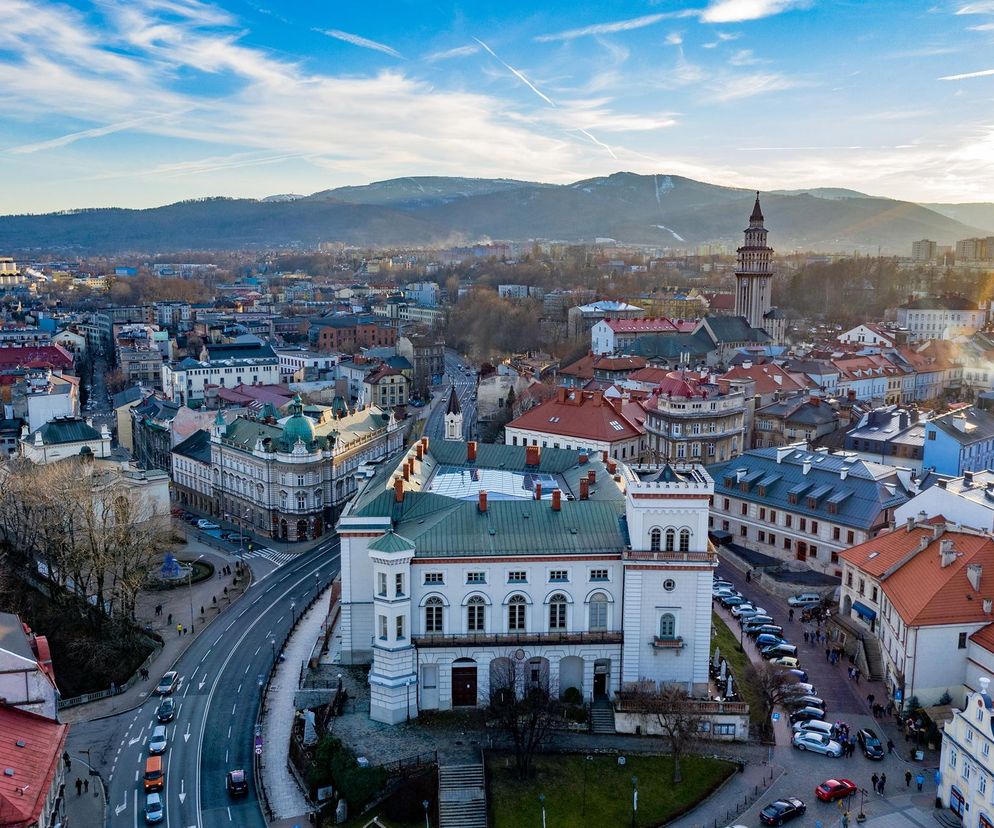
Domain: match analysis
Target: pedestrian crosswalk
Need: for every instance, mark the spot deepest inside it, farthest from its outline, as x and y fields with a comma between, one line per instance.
x=278, y=558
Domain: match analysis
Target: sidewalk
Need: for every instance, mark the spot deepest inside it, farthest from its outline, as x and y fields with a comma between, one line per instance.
x=86, y=809
x=176, y=604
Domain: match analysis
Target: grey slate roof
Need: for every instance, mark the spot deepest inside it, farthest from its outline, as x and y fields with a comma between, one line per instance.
x=12, y=637
x=66, y=430
x=860, y=498
x=671, y=346
x=128, y=395
x=800, y=410
x=197, y=446
x=979, y=425
x=732, y=329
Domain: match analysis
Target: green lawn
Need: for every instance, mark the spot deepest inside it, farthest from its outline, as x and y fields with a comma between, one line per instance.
x=726, y=641
x=608, y=800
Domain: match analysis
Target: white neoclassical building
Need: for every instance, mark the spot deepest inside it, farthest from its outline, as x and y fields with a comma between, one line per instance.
x=966, y=774
x=464, y=565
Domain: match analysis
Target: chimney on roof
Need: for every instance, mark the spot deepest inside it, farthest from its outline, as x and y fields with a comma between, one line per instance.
x=988, y=606
x=482, y=502
x=556, y=500
x=806, y=465
x=406, y=471
x=937, y=530
x=398, y=489
x=533, y=455
x=611, y=466
x=973, y=573
x=911, y=524
x=851, y=395
x=471, y=451
x=592, y=476
x=538, y=490
x=424, y=442
x=844, y=472
x=584, y=488
x=604, y=457
x=783, y=452
x=598, y=398
x=942, y=484
x=419, y=451
x=959, y=422
x=967, y=479
x=923, y=542
x=583, y=458
x=947, y=555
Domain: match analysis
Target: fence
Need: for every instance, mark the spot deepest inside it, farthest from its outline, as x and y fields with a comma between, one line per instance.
x=411, y=763
x=741, y=805
x=114, y=690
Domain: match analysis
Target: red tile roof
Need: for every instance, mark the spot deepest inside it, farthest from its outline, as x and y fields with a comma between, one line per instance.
x=36, y=356
x=243, y=394
x=985, y=637
x=650, y=325
x=769, y=377
x=582, y=415
x=922, y=590
x=585, y=367
x=22, y=796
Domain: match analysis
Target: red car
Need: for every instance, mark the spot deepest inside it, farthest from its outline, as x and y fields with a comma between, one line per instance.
x=832, y=789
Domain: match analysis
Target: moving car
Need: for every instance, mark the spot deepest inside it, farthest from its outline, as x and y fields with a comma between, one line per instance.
x=777, y=813
x=157, y=741
x=817, y=743
x=869, y=744
x=832, y=789
x=154, y=812
x=167, y=683
x=154, y=778
x=806, y=714
x=166, y=710
x=236, y=782
x=205, y=524
x=804, y=599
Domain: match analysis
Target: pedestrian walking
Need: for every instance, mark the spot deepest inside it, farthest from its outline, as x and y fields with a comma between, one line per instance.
x=828, y=654
x=883, y=782
x=805, y=636
x=890, y=745
x=66, y=760
x=907, y=779
x=86, y=786
x=919, y=780
x=79, y=787
x=855, y=674
x=169, y=620
x=748, y=575
x=790, y=614
x=179, y=629
x=870, y=698
x=874, y=781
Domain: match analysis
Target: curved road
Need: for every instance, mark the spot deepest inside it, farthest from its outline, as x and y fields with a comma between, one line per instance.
x=217, y=703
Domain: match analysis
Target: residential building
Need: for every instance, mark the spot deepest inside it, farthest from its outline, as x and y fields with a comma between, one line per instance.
x=762, y=383
x=27, y=675
x=688, y=418
x=966, y=782
x=10, y=436
x=23, y=335
x=671, y=351
x=920, y=591
x=385, y=387
x=940, y=317
x=580, y=319
x=301, y=365
x=141, y=366
x=422, y=315
x=151, y=432
x=75, y=343
x=975, y=250
x=729, y=335
x=869, y=333
x=191, y=472
x=962, y=440
x=349, y=334
x=924, y=250
x=426, y=353
x=236, y=363
x=892, y=435
x=967, y=500
x=33, y=784
x=422, y=293
x=582, y=420
x=786, y=421
x=53, y=357
x=805, y=507
x=122, y=403
x=64, y=437
x=616, y=336
x=598, y=585
x=41, y=395
x=289, y=476
x=606, y=369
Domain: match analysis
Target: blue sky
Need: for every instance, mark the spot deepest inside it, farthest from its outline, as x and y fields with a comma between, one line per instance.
x=143, y=102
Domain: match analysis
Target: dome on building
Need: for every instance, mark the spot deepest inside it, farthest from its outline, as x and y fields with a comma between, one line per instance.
x=297, y=427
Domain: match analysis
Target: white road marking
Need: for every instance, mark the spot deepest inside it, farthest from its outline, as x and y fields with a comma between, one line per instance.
x=229, y=731
x=229, y=813
x=123, y=806
x=239, y=690
x=136, y=774
x=182, y=791
x=234, y=707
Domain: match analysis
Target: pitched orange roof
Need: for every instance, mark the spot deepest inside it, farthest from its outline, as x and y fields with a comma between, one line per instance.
x=22, y=795
x=769, y=377
x=582, y=415
x=985, y=637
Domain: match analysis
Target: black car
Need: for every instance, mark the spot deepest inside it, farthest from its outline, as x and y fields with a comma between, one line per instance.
x=870, y=744
x=166, y=710
x=236, y=782
x=779, y=812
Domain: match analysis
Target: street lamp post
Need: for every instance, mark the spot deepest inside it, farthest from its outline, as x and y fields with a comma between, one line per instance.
x=424, y=804
x=272, y=644
x=541, y=801
x=410, y=682
x=586, y=765
x=635, y=800
x=293, y=611
x=189, y=584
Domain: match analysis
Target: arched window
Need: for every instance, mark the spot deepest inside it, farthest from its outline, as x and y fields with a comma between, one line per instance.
x=317, y=498
x=557, y=612
x=684, y=540
x=433, y=615
x=516, y=614
x=598, y=611
x=670, y=539
x=667, y=625
x=282, y=500
x=476, y=610
x=655, y=540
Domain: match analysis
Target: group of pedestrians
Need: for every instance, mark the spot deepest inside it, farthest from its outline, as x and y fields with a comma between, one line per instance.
x=879, y=782
x=854, y=673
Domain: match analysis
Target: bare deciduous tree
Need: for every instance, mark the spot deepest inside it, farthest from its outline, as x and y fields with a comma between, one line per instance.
x=774, y=685
x=671, y=709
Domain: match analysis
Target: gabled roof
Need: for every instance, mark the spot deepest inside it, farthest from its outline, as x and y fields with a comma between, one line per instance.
x=34, y=765
x=391, y=542
x=956, y=303
x=650, y=325
x=128, y=395
x=733, y=329
x=585, y=367
x=966, y=425
x=672, y=346
x=453, y=407
x=768, y=378
x=582, y=415
x=66, y=430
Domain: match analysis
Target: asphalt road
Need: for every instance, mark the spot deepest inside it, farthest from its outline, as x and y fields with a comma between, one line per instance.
x=217, y=703
x=465, y=389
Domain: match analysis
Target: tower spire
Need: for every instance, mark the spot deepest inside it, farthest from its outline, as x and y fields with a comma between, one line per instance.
x=757, y=212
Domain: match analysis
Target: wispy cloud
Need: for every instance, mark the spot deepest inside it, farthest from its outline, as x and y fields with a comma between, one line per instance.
x=96, y=132
x=981, y=7
x=747, y=86
x=449, y=54
x=723, y=37
x=744, y=57
x=736, y=11
x=606, y=28
x=983, y=73
x=363, y=42
x=983, y=27
x=674, y=39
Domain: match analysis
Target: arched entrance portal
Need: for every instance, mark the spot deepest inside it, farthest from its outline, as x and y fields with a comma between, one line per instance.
x=464, y=682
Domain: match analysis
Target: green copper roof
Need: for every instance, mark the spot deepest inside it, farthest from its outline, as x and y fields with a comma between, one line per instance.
x=391, y=542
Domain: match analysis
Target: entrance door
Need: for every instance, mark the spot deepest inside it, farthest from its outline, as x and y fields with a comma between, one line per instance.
x=802, y=551
x=600, y=685
x=464, y=686
x=956, y=801
x=429, y=687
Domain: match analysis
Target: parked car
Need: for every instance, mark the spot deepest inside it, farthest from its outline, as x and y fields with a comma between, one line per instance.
x=768, y=629
x=806, y=701
x=800, y=675
x=205, y=524
x=157, y=741
x=730, y=600
x=804, y=599
x=718, y=583
x=869, y=743
x=782, y=650
x=768, y=640
x=154, y=810
x=750, y=624
x=166, y=710
x=167, y=683
x=817, y=743
x=748, y=608
x=779, y=812
x=814, y=726
x=832, y=789
x=806, y=714
x=790, y=662
x=236, y=782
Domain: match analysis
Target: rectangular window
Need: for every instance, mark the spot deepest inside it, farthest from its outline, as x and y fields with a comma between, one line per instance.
x=400, y=626
x=724, y=526
x=962, y=641
x=850, y=538
x=516, y=617
x=744, y=509
x=517, y=576
x=773, y=516
x=762, y=513
x=771, y=539
x=557, y=615
x=383, y=584
x=849, y=579
x=475, y=615
x=558, y=576
x=786, y=543
x=812, y=551
x=434, y=578
x=788, y=521
x=476, y=577
x=862, y=586
x=383, y=628
x=835, y=557
x=720, y=729
x=726, y=504
x=803, y=525
x=398, y=584
x=836, y=533
x=814, y=527
x=873, y=594
x=598, y=574
x=744, y=531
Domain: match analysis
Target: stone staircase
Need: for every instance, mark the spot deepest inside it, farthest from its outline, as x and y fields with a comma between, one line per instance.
x=869, y=657
x=602, y=717
x=462, y=797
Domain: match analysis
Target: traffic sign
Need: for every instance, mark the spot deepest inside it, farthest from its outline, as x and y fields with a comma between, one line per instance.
x=258, y=750
x=776, y=717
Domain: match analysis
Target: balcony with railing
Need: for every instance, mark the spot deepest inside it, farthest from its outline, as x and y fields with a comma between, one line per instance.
x=511, y=639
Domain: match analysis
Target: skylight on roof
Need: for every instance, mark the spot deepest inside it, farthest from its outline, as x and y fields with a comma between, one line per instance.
x=616, y=425
x=553, y=419
x=872, y=555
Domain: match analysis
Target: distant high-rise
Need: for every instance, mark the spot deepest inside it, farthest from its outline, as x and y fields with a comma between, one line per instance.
x=754, y=273
x=924, y=250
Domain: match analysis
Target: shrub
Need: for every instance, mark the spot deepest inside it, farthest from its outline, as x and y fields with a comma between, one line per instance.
x=572, y=695
x=335, y=764
x=576, y=714
x=945, y=698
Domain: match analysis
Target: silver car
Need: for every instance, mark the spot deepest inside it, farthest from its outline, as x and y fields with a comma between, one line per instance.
x=817, y=743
